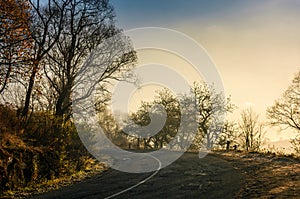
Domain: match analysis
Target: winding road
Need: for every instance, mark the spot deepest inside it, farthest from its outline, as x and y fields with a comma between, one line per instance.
x=188, y=177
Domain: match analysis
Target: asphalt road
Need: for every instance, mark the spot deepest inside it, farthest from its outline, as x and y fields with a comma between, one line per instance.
x=188, y=177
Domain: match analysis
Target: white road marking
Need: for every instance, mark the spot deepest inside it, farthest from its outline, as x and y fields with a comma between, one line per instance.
x=139, y=183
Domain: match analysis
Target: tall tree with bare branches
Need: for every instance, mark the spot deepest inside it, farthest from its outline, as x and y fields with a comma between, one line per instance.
x=251, y=130
x=88, y=38
x=46, y=25
x=285, y=113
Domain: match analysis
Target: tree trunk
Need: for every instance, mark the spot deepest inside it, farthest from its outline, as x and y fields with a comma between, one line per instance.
x=247, y=143
x=228, y=145
x=63, y=103
x=138, y=143
x=6, y=78
x=29, y=90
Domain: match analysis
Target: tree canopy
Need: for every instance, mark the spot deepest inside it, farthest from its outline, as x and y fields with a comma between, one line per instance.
x=286, y=110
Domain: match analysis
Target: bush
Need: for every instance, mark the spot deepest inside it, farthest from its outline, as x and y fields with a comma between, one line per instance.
x=37, y=149
x=296, y=145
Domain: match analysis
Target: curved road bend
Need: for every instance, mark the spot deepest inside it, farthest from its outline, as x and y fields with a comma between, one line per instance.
x=188, y=177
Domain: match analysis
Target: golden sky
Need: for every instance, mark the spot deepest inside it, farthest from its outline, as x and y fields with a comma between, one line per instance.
x=254, y=44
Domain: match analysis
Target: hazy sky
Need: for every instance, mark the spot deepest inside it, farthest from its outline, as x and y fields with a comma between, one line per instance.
x=255, y=44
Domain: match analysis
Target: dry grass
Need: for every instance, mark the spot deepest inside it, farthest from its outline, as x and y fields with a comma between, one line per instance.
x=93, y=168
x=267, y=175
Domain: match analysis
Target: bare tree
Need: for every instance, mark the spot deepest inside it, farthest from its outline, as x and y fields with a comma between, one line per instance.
x=88, y=37
x=296, y=144
x=286, y=111
x=251, y=130
x=46, y=25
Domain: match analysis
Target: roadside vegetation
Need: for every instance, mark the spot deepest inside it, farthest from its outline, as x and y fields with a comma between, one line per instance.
x=43, y=47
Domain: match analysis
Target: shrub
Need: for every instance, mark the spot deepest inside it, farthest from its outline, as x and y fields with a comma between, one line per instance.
x=37, y=149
